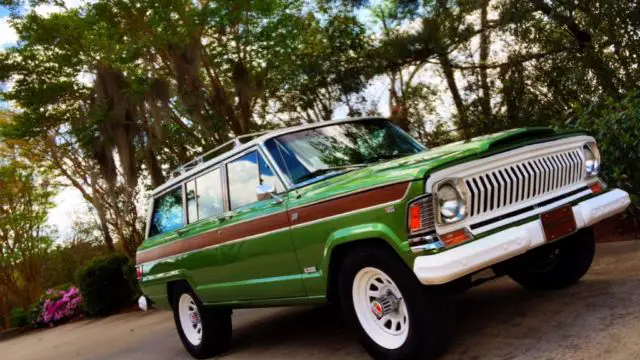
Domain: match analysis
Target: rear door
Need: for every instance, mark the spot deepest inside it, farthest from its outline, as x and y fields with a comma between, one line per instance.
x=254, y=256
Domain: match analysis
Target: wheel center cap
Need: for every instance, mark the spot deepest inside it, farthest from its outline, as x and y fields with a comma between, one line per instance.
x=384, y=305
x=376, y=309
x=194, y=318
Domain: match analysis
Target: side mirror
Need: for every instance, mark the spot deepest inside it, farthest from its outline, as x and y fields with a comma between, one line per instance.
x=265, y=191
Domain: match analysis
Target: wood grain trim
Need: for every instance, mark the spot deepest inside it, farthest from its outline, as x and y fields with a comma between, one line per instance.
x=216, y=237
x=350, y=203
x=313, y=212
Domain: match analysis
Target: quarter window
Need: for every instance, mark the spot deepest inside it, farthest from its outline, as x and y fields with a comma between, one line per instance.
x=167, y=212
x=245, y=174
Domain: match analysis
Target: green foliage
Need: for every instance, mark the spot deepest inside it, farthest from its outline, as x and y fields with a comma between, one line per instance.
x=21, y=317
x=616, y=126
x=25, y=198
x=108, y=284
x=64, y=261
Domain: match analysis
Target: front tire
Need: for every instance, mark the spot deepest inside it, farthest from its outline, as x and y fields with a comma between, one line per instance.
x=394, y=316
x=204, y=332
x=556, y=265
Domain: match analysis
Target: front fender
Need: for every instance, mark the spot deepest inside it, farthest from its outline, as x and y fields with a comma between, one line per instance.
x=366, y=232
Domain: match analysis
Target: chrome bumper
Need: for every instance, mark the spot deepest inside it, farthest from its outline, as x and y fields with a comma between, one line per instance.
x=479, y=254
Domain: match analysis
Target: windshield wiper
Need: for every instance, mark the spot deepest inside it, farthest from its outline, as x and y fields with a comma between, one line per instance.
x=320, y=172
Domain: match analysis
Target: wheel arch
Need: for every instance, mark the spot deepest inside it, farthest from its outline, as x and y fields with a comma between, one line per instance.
x=176, y=285
x=339, y=252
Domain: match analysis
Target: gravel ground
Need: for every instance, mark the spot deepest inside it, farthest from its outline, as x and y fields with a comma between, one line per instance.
x=596, y=319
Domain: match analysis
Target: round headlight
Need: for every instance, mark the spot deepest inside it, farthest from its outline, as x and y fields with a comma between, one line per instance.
x=451, y=203
x=592, y=159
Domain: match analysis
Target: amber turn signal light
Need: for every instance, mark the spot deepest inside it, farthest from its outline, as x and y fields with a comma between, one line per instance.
x=455, y=238
x=415, y=220
x=596, y=187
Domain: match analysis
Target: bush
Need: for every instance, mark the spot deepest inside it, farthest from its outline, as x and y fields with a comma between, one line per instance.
x=616, y=126
x=107, y=284
x=57, y=306
x=19, y=317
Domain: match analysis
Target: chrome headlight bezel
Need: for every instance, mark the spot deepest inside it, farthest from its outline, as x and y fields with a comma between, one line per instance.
x=457, y=208
x=592, y=159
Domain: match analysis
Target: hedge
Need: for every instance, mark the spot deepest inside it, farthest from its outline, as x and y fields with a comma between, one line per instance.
x=108, y=284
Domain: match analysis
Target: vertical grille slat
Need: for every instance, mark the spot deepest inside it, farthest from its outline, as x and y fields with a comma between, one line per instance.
x=521, y=181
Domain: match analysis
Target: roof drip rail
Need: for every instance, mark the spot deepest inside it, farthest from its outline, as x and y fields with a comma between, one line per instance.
x=236, y=142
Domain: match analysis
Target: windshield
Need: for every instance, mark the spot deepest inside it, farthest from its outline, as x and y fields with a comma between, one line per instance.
x=310, y=155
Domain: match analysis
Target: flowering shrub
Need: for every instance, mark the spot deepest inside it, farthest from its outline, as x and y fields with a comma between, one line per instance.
x=57, y=306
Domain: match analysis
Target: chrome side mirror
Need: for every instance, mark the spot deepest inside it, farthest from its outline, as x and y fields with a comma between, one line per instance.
x=265, y=191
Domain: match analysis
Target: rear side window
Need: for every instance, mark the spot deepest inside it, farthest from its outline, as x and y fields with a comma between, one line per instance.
x=245, y=174
x=204, y=196
x=167, y=212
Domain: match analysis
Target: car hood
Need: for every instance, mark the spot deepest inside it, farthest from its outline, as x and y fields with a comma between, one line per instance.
x=418, y=166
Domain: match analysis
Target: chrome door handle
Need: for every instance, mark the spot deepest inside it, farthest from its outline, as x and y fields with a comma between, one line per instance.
x=224, y=218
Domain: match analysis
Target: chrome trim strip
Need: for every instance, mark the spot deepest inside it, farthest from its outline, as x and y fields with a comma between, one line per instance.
x=426, y=247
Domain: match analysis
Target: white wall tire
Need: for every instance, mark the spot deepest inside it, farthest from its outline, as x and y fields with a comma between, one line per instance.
x=204, y=332
x=412, y=321
x=190, y=319
x=388, y=330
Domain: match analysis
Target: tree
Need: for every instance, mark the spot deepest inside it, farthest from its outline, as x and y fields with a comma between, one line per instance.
x=116, y=93
x=333, y=65
x=25, y=198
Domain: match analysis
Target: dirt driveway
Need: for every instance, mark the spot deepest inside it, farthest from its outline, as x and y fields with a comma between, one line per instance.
x=597, y=319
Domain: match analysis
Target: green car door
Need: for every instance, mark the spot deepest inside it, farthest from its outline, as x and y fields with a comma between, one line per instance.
x=255, y=258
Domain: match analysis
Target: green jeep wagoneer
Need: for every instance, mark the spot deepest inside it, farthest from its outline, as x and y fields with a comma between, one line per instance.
x=358, y=213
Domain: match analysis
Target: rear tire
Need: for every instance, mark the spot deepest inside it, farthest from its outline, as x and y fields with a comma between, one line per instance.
x=204, y=332
x=393, y=315
x=556, y=265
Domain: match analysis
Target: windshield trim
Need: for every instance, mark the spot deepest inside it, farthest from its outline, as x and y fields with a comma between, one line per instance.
x=283, y=173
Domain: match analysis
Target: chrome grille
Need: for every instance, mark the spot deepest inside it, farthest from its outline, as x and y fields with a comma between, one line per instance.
x=519, y=182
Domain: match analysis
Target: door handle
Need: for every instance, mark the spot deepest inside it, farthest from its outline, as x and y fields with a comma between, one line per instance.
x=223, y=218
x=181, y=232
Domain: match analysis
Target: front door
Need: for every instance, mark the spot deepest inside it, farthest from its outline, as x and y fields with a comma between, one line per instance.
x=255, y=259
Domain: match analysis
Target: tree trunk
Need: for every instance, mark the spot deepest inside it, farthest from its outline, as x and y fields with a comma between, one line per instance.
x=398, y=109
x=157, y=178
x=455, y=93
x=6, y=320
x=104, y=227
x=485, y=97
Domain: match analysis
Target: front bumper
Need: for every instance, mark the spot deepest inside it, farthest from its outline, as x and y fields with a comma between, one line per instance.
x=479, y=254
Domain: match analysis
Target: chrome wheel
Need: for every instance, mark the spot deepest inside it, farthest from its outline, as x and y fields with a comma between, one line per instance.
x=380, y=308
x=190, y=319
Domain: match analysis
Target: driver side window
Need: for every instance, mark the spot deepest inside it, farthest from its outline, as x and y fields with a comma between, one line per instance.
x=245, y=174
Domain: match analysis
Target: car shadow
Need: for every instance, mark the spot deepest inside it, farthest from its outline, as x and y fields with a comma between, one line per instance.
x=498, y=320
